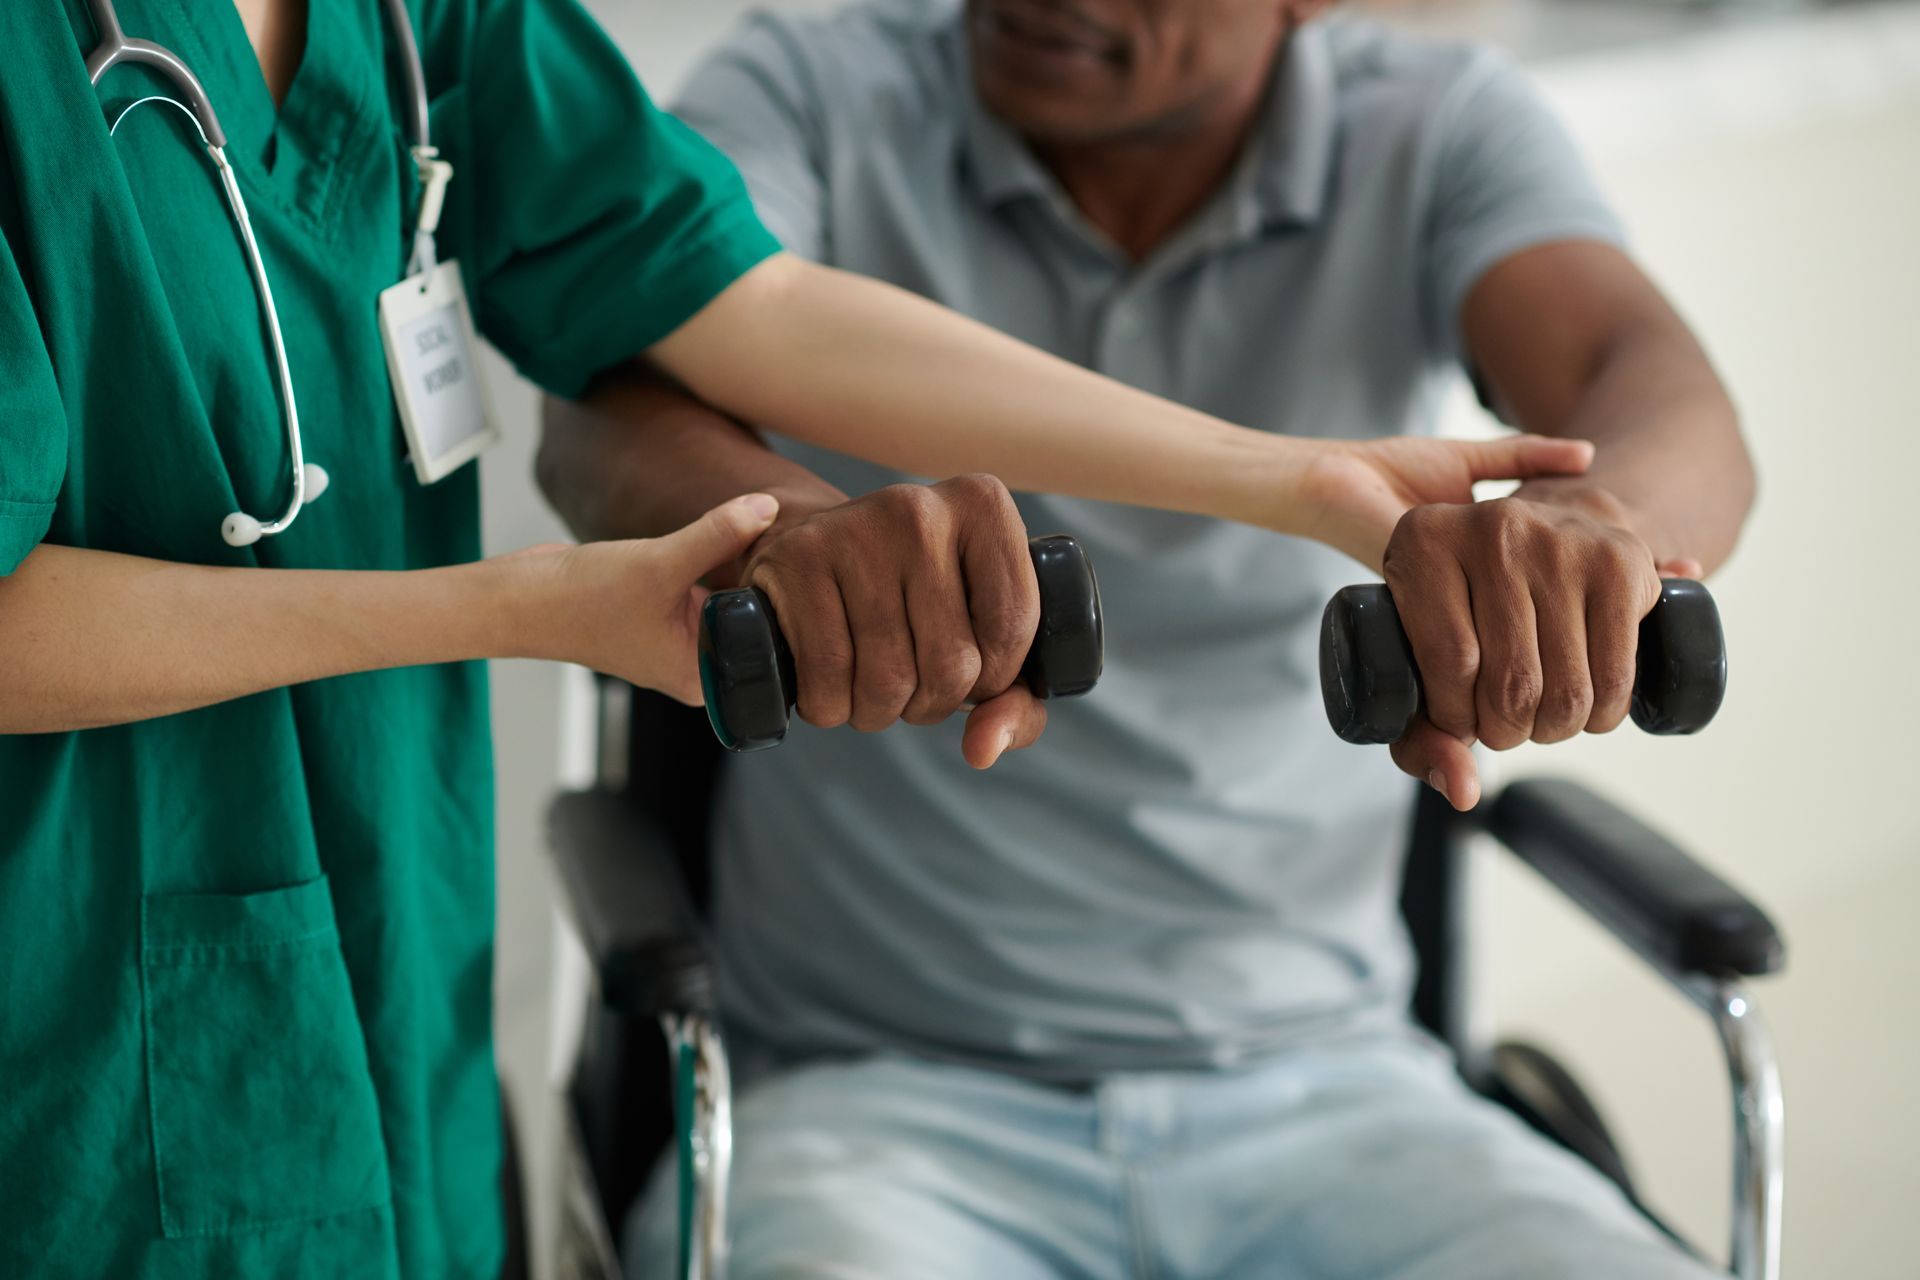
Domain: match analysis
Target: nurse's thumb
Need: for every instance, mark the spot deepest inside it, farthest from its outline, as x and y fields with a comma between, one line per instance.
x=718, y=537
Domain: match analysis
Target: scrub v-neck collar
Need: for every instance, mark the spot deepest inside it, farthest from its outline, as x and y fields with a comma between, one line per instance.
x=295, y=155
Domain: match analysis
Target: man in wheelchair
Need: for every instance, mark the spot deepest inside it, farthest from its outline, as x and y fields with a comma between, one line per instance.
x=1136, y=1003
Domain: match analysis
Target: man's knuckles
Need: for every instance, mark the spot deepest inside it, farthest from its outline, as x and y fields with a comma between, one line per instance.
x=882, y=689
x=801, y=556
x=1611, y=672
x=912, y=518
x=1510, y=701
x=825, y=703
x=1510, y=535
x=1419, y=534
x=1005, y=630
x=977, y=494
x=947, y=674
x=1564, y=708
x=1619, y=561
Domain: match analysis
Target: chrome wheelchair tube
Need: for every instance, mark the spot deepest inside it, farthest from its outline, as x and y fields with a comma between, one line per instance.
x=1759, y=1112
x=612, y=727
x=703, y=1126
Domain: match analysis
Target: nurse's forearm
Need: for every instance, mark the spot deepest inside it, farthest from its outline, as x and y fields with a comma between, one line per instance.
x=90, y=638
x=867, y=369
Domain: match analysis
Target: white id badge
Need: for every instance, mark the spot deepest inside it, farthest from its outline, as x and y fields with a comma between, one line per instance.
x=436, y=381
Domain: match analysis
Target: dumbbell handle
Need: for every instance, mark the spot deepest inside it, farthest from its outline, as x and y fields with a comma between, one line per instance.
x=1371, y=684
x=747, y=674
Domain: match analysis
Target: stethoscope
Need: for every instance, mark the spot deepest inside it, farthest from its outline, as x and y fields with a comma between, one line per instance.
x=309, y=479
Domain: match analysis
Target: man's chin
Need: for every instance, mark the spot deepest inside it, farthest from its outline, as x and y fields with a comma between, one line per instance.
x=1047, y=119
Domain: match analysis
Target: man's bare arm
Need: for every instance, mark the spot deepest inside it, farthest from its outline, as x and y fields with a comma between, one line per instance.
x=1576, y=341
x=638, y=457
x=904, y=604
x=1523, y=613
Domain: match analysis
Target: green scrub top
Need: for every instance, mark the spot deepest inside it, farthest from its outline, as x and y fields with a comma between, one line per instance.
x=246, y=952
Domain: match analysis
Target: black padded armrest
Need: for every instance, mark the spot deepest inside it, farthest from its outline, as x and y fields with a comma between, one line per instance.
x=1638, y=884
x=625, y=894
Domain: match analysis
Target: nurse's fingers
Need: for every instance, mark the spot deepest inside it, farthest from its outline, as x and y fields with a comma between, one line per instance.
x=722, y=535
x=1009, y=722
x=1518, y=457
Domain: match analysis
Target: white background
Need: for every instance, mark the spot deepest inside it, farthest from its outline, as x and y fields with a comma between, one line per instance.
x=1769, y=169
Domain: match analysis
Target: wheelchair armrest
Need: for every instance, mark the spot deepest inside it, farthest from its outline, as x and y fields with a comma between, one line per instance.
x=1641, y=886
x=625, y=894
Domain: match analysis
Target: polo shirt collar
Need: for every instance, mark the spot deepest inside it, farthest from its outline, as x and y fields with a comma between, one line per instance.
x=1296, y=140
x=1283, y=178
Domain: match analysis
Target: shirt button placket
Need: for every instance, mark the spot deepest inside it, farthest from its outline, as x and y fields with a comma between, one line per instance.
x=1117, y=344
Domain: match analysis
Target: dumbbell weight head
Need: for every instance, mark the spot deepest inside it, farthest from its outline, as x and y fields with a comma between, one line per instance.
x=1680, y=679
x=1070, y=644
x=1368, y=679
x=746, y=668
x=1371, y=685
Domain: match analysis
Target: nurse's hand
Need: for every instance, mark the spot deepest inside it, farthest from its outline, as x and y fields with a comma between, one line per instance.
x=908, y=604
x=1353, y=492
x=632, y=608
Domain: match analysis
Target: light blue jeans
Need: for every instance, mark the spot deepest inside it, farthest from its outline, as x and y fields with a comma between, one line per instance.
x=1369, y=1161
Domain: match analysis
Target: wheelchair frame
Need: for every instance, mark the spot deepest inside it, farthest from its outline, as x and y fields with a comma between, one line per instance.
x=625, y=844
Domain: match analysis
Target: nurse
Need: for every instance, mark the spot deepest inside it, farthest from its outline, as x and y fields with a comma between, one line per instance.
x=245, y=797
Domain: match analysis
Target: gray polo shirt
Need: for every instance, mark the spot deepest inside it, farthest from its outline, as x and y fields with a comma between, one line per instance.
x=1189, y=870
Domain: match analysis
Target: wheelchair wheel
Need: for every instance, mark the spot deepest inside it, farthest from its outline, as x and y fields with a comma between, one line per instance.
x=1532, y=1083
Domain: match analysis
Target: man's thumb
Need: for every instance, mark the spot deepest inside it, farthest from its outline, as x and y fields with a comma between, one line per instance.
x=720, y=536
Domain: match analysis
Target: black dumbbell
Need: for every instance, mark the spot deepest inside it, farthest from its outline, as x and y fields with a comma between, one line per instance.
x=746, y=669
x=1372, y=687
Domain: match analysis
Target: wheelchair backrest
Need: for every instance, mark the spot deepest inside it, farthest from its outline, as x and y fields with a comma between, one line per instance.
x=673, y=769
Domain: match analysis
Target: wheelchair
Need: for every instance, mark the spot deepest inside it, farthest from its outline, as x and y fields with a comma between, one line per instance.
x=645, y=1069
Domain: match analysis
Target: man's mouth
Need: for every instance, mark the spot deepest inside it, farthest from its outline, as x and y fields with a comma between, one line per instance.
x=1050, y=33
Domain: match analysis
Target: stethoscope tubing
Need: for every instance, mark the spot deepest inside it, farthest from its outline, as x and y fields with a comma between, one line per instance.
x=115, y=48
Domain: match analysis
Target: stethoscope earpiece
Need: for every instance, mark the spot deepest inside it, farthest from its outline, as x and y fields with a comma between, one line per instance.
x=240, y=530
x=317, y=481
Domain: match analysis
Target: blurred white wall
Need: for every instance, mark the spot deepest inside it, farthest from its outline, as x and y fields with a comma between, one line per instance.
x=1770, y=175
x=1771, y=179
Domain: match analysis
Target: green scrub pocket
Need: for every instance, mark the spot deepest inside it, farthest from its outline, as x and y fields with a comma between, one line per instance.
x=263, y=1106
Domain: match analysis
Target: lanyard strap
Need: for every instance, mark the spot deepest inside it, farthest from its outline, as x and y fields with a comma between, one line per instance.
x=433, y=172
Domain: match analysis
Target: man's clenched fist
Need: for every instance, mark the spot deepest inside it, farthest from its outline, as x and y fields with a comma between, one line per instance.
x=1523, y=615
x=908, y=604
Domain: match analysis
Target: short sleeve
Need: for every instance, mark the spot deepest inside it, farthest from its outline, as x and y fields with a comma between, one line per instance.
x=1507, y=177
x=598, y=222
x=33, y=423
x=755, y=98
